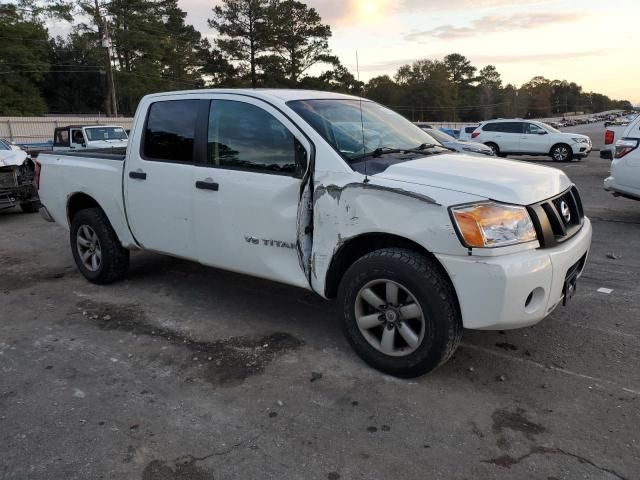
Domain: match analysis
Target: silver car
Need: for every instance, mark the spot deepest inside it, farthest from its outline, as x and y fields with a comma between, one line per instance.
x=470, y=148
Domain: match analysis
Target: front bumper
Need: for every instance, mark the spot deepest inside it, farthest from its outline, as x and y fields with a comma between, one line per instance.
x=612, y=186
x=581, y=150
x=514, y=290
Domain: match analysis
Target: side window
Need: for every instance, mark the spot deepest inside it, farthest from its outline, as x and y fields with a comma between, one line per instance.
x=77, y=137
x=512, y=127
x=490, y=127
x=242, y=136
x=531, y=129
x=170, y=131
x=61, y=138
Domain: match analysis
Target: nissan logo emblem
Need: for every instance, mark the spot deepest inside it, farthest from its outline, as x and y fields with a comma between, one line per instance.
x=564, y=210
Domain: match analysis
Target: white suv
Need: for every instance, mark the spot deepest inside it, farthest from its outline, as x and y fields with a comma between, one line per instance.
x=625, y=168
x=528, y=137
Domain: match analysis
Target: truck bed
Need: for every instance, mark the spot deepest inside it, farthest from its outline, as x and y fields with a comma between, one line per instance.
x=102, y=153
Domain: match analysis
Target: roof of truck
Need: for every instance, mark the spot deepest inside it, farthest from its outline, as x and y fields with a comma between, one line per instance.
x=86, y=125
x=267, y=93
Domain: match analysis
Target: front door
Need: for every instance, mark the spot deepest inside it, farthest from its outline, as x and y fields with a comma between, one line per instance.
x=534, y=139
x=77, y=139
x=246, y=201
x=160, y=176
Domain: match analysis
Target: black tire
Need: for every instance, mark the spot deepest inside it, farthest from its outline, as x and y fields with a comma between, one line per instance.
x=115, y=259
x=432, y=290
x=496, y=149
x=30, y=207
x=561, y=152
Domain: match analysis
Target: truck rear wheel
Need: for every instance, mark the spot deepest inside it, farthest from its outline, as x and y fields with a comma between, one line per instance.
x=31, y=206
x=96, y=248
x=399, y=312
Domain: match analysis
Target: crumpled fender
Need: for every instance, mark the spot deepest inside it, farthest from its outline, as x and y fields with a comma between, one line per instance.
x=12, y=158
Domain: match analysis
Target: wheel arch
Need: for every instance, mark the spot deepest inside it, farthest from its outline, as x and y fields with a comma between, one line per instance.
x=356, y=247
x=80, y=201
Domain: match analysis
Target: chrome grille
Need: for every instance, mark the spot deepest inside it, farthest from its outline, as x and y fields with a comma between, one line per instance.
x=559, y=218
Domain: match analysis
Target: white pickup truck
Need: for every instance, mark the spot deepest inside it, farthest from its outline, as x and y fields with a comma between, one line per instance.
x=333, y=194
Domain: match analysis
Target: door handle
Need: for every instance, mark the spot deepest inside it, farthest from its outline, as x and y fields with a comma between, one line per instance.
x=207, y=184
x=139, y=175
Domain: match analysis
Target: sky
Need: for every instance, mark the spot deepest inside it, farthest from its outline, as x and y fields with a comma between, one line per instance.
x=590, y=42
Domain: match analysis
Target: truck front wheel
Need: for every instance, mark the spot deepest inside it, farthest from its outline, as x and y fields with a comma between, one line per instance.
x=96, y=248
x=399, y=312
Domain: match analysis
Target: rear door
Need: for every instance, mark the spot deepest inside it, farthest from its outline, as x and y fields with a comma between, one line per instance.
x=247, y=195
x=508, y=136
x=159, y=177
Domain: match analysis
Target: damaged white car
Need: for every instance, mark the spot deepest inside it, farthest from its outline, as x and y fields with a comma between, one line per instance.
x=337, y=195
x=16, y=179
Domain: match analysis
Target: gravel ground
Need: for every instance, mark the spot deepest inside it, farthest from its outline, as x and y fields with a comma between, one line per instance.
x=186, y=372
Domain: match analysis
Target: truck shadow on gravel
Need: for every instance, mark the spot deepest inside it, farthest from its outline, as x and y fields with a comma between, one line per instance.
x=226, y=362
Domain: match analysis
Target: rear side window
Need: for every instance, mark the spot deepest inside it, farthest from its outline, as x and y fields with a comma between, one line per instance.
x=503, y=127
x=243, y=136
x=470, y=129
x=61, y=138
x=171, y=130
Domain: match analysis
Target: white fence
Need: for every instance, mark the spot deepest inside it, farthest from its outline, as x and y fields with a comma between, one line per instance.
x=26, y=130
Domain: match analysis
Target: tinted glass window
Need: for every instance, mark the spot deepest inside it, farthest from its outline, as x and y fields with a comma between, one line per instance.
x=62, y=138
x=170, y=131
x=511, y=127
x=243, y=136
x=470, y=129
x=490, y=127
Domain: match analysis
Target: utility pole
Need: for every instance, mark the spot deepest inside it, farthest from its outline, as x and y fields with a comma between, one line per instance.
x=110, y=102
x=110, y=79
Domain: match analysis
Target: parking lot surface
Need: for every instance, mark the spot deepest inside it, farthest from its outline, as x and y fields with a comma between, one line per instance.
x=187, y=372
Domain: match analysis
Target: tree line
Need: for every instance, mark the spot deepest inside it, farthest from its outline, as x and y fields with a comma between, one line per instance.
x=119, y=50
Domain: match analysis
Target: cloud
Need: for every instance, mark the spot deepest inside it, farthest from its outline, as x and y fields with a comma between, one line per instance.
x=391, y=66
x=343, y=12
x=496, y=23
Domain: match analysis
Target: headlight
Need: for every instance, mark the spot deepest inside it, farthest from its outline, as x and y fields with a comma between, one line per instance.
x=580, y=140
x=486, y=225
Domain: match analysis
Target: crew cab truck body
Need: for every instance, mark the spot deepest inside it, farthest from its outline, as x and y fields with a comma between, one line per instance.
x=304, y=188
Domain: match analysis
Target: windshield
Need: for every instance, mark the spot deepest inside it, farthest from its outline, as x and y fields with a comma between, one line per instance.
x=441, y=136
x=105, y=133
x=355, y=133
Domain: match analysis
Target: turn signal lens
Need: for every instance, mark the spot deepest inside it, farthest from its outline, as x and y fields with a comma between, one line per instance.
x=487, y=225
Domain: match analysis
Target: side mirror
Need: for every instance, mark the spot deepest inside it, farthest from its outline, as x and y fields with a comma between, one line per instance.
x=542, y=133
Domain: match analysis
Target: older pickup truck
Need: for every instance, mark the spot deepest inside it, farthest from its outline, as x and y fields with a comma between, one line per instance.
x=337, y=195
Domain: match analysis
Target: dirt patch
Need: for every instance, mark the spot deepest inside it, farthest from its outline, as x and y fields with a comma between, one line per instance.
x=225, y=363
x=18, y=273
x=159, y=470
x=516, y=421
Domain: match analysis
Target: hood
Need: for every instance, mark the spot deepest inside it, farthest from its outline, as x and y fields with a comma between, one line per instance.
x=12, y=158
x=475, y=146
x=576, y=135
x=498, y=179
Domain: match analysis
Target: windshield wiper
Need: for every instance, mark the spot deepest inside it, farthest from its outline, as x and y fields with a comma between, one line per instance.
x=424, y=146
x=378, y=152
